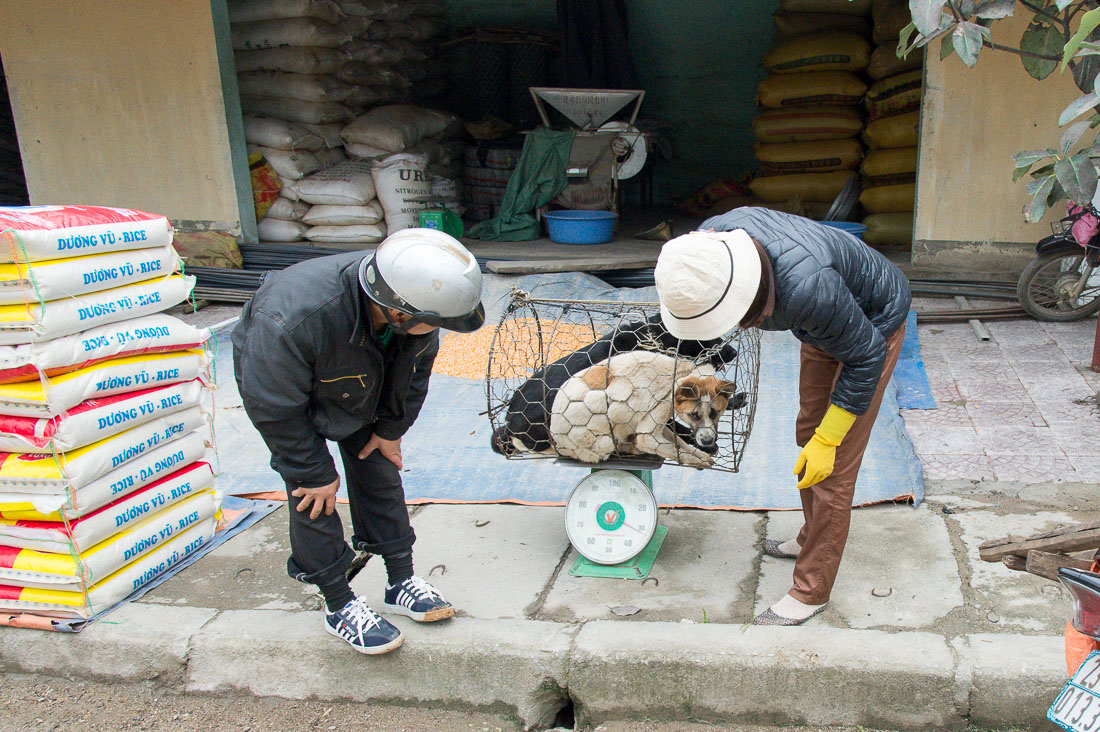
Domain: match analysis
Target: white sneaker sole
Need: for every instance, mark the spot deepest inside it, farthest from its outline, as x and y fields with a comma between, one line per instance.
x=431, y=616
x=372, y=650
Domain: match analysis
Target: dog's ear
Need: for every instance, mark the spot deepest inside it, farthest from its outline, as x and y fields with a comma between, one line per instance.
x=727, y=388
x=685, y=392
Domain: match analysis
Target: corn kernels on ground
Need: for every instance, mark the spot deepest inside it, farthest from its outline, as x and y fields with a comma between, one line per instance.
x=518, y=350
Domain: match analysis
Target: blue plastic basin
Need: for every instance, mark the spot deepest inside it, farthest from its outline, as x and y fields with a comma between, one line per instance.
x=580, y=227
x=852, y=227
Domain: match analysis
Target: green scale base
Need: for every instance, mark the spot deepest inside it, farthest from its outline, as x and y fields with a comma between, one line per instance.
x=633, y=569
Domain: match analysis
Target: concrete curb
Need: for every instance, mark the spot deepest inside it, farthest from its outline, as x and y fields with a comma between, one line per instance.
x=610, y=670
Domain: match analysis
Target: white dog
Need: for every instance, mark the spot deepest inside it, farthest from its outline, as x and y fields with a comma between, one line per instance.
x=625, y=404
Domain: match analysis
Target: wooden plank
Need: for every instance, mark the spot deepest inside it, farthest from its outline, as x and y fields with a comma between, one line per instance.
x=1046, y=564
x=574, y=264
x=1014, y=562
x=1064, y=539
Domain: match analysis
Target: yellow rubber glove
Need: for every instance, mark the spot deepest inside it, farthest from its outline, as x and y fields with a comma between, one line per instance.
x=819, y=455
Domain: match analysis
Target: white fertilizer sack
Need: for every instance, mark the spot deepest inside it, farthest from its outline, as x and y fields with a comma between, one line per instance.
x=149, y=334
x=134, y=475
x=30, y=323
x=304, y=87
x=114, y=588
x=270, y=229
x=31, y=233
x=52, y=279
x=285, y=209
x=349, y=183
x=53, y=395
x=279, y=134
x=331, y=156
x=291, y=164
x=397, y=127
x=286, y=32
x=330, y=133
x=371, y=234
x=328, y=215
x=299, y=60
x=84, y=533
x=401, y=182
x=314, y=113
x=246, y=11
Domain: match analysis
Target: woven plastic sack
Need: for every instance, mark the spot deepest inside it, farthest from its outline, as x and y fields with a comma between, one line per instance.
x=329, y=134
x=46, y=472
x=55, y=395
x=33, y=233
x=401, y=182
x=819, y=187
x=376, y=53
x=359, y=73
x=286, y=210
x=793, y=24
x=35, y=322
x=52, y=279
x=150, y=334
x=889, y=228
x=292, y=110
x=829, y=51
x=807, y=124
x=896, y=94
x=805, y=157
x=327, y=215
x=265, y=183
x=890, y=162
x=291, y=164
x=114, y=588
x=349, y=183
x=270, y=229
x=364, y=234
x=813, y=87
x=286, y=32
x=246, y=11
x=885, y=62
x=397, y=127
x=387, y=10
x=899, y=130
x=71, y=504
x=96, y=419
x=301, y=60
x=889, y=17
x=889, y=199
x=83, y=533
x=304, y=87
x=280, y=134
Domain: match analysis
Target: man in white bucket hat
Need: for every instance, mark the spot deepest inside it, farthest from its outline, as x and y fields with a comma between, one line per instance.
x=753, y=267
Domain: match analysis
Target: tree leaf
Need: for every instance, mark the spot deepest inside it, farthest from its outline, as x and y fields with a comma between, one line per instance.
x=1077, y=107
x=1038, y=206
x=1089, y=21
x=1028, y=157
x=1020, y=171
x=966, y=7
x=947, y=24
x=946, y=48
x=1077, y=175
x=903, y=40
x=1042, y=170
x=1072, y=134
x=1045, y=39
x=1062, y=4
x=996, y=9
x=926, y=15
x=967, y=40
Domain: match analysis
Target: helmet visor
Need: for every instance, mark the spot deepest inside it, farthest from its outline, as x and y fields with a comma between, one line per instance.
x=378, y=290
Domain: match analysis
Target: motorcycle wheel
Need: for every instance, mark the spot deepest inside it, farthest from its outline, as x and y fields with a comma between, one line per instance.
x=1046, y=285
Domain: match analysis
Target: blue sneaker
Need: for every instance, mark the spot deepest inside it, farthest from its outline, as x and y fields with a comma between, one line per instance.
x=363, y=628
x=418, y=600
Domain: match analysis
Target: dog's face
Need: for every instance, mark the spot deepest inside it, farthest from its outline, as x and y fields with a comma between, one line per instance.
x=699, y=402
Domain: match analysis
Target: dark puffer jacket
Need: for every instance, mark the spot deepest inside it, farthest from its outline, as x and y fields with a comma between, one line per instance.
x=832, y=291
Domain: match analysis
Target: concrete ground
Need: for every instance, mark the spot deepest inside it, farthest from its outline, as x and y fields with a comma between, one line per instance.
x=920, y=633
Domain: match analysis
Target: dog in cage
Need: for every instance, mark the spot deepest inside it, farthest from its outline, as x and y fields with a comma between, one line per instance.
x=629, y=404
x=526, y=425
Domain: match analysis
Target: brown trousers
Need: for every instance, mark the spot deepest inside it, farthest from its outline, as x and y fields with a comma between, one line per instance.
x=827, y=506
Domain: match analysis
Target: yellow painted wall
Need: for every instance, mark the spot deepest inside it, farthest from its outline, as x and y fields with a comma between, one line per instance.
x=119, y=102
x=973, y=120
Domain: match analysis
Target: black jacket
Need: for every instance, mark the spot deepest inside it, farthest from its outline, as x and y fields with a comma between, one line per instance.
x=832, y=291
x=309, y=367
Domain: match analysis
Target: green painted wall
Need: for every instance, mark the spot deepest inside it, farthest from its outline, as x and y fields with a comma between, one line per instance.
x=699, y=62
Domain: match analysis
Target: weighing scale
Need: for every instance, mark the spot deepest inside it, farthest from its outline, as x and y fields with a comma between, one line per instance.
x=611, y=519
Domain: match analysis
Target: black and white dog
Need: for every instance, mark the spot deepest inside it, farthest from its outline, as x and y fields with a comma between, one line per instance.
x=526, y=425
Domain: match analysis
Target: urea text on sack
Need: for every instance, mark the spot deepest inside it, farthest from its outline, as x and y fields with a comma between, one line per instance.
x=87, y=241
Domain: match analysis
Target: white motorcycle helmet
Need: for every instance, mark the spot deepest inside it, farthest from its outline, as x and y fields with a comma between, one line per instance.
x=428, y=275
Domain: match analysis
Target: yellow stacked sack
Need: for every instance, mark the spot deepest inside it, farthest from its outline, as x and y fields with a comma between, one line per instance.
x=103, y=435
x=807, y=130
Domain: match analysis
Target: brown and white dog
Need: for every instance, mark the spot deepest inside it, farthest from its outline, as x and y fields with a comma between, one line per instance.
x=626, y=405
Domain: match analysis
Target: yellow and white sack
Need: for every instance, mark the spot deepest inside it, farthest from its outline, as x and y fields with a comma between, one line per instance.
x=53, y=279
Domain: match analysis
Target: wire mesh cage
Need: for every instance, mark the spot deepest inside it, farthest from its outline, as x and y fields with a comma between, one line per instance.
x=600, y=380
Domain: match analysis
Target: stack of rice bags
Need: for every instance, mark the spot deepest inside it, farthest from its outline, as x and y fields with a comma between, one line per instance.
x=808, y=127
x=415, y=159
x=893, y=106
x=103, y=483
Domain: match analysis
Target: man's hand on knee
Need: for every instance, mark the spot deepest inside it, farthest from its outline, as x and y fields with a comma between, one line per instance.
x=390, y=449
x=317, y=499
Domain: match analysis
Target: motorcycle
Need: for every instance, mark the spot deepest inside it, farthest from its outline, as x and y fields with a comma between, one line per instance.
x=1063, y=282
x=1077, y=708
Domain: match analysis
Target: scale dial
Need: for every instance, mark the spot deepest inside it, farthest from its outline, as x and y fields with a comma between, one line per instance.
x=610, y=516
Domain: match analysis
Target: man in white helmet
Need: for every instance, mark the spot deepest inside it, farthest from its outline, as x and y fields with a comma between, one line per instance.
x=753, y=267
x=341, y=348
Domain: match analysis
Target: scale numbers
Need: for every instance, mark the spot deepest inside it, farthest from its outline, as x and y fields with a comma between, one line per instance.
x=607, y=516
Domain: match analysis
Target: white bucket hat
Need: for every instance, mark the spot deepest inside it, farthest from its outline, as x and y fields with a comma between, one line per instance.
x=706, y=281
